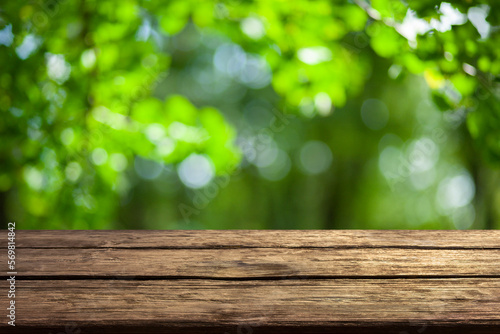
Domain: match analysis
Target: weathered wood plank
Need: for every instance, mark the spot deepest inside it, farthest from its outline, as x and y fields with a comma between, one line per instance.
x=256, y=282
x=329, y=303
x=256, y=238
x=258, y=262
x=412, y=328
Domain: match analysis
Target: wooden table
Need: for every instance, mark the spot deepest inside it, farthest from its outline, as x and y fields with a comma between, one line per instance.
x=227, y=282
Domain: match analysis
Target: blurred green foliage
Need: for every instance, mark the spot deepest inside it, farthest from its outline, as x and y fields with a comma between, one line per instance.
x=250, y=114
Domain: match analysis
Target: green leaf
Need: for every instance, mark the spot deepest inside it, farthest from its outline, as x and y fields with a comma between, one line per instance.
x=440, y=101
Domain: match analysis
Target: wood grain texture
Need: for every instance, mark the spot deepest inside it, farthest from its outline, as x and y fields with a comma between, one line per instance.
x=258, y=239
x=259, y=262
x=256, y=282
x=285, y=302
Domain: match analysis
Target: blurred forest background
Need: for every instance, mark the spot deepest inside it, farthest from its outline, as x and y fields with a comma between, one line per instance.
x=193, y=114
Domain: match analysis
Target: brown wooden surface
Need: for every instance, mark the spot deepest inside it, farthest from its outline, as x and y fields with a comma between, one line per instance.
x=258, y=239
x=259, y=262
x=255, y=282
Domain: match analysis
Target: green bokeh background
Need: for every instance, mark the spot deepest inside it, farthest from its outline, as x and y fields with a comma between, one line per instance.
x=235, y=114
